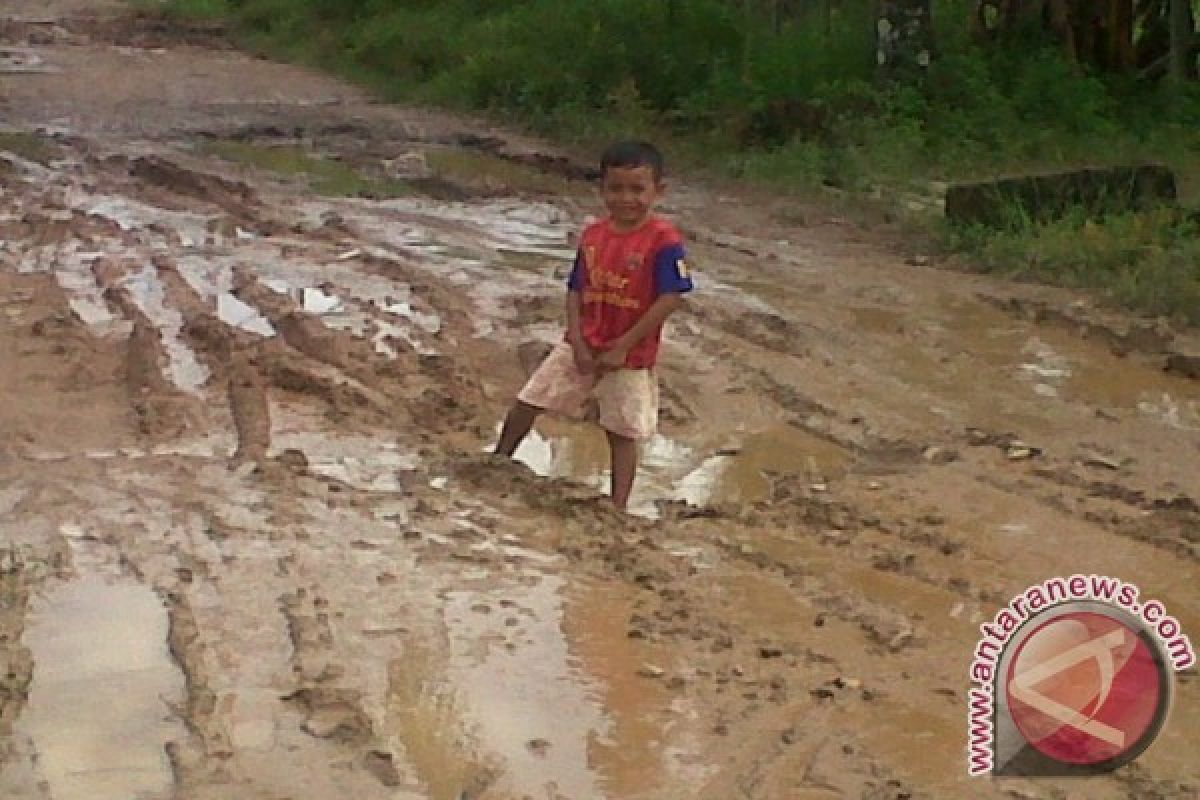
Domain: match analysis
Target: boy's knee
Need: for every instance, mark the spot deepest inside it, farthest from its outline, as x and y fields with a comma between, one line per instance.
x=619, y=440
x=521, y=407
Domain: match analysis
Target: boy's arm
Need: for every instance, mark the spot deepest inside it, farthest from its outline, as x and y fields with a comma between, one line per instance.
x=672, y=280
x=656, y=315
x=584, y=358
x=574, y=309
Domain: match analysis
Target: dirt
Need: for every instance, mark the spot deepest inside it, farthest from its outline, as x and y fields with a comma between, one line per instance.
x=265, y=405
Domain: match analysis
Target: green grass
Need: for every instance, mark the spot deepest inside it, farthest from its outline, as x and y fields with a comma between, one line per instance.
x=1149, y=261
x=796, y=109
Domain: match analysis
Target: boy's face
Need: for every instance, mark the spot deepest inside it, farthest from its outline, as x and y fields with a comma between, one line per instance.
x=630, y=194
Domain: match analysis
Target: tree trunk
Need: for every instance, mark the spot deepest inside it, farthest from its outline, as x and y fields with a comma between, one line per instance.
x=904, y=37
x=1121, y=56
x=1181, y=41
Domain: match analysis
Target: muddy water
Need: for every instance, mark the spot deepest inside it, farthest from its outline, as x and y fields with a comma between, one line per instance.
x=99, y=711
x=741, y=472
x=516, y=700
x=524, y=699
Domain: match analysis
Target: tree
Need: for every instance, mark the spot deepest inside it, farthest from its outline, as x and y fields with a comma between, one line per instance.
x=1182, y=26
x=904, y=37
x=1107, y=35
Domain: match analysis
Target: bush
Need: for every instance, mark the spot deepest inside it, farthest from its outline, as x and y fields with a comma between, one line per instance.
x=791, y=101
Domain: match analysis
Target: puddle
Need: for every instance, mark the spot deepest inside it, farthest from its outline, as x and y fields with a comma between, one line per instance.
x=99, y=711
x=29, y=146
x=183, y=369
x=579, y=451
x=670, y=470
x=633, y=757
x=362, y=462
x=482, y=171
x=881, y=320
x=503, y=703
x=237, y=314
x=782, y=450
x=325, y=176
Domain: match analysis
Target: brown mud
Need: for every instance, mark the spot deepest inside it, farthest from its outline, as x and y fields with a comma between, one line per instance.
x=249, y=397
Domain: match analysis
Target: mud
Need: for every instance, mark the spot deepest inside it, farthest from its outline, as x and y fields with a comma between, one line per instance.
x=261, y=332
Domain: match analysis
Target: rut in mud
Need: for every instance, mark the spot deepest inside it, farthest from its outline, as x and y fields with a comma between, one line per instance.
x=259, y=333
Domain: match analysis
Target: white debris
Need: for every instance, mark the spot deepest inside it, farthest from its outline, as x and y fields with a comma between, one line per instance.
x=238, y=314
x=184, y=370
x=430, y=323
x=316, y=301
x=696, y=488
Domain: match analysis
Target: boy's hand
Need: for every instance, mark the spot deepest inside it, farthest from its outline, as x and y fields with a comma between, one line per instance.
x=585, y=360
x=613, y=358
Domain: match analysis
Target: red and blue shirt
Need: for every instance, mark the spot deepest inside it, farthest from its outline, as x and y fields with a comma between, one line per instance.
x=620, y=274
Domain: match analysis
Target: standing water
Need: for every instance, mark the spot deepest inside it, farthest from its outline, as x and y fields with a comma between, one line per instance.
x=99, y=707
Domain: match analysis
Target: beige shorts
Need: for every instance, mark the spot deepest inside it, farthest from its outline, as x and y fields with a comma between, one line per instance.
x=626, y=400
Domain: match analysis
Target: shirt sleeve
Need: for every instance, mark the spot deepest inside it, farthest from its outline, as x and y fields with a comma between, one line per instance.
x=576, y=280
x=671, y=272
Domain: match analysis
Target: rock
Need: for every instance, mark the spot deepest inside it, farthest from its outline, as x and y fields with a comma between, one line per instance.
x=1042, y=198
x=900, y=640
x=939, y=455
x=977, y=437
x=383, y=767
x=651, y=671
x=326, y=723
x=917, y=261
x=539, y=747
x=768, y=651
x=1100, y=462
x=1185, y=365
x=293, y=459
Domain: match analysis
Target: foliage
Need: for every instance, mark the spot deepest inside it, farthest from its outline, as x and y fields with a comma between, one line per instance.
x=776, y=91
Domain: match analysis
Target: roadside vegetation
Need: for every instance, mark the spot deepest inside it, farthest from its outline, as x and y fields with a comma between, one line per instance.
x=790, y=95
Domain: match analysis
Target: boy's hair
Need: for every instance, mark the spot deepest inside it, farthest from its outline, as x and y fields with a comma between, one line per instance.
x=633, y=153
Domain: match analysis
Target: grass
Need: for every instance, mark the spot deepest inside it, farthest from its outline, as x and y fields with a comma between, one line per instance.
x=796, y=108
x=1149, y=261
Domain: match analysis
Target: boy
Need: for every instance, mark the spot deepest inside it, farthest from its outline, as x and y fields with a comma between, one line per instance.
x=629, y=276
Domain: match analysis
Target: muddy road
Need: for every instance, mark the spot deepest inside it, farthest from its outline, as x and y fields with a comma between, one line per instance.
x=257, y=332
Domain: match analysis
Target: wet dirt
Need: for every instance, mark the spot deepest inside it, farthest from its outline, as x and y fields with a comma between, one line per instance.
x=261, y=331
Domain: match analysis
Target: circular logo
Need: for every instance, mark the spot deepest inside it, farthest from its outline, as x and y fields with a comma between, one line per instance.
x=1086, y=688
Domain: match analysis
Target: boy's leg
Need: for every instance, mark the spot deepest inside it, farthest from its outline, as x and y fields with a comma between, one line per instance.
x=624, y=467
x=516, y=427
x=628, y=400
x=556, y=385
